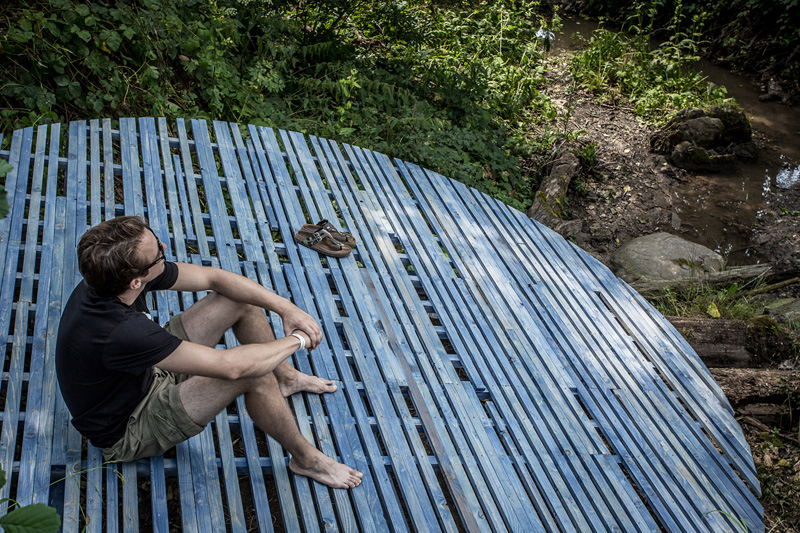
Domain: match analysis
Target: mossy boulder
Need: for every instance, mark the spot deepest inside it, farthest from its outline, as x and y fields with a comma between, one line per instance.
x=705, y=141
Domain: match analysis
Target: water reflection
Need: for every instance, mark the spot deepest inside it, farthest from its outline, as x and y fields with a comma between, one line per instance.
x=788, y=177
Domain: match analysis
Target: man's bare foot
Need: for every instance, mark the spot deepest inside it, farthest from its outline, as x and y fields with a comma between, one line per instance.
x=328, y=472
x=300, y=382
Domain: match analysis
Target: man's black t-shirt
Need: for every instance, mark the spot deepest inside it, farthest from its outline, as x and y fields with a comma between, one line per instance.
x=104, y=357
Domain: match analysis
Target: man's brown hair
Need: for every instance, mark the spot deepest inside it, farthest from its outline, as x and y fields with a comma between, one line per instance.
x=108, y=257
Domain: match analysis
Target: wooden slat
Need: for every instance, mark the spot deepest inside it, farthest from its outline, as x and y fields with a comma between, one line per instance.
x=36, y=375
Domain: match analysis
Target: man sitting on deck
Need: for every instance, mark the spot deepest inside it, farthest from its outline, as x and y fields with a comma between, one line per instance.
x=136, y=389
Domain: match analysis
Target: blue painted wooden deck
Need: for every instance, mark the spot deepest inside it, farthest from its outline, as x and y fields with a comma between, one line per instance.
x=492, y=376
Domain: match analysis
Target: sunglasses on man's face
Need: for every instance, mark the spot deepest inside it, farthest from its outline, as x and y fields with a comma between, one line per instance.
x=161, y=256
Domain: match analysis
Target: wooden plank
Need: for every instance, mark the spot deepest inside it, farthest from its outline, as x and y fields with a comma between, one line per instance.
x=109, y=202
x=33, y=402
x=19, y=160
x=95, y=197
x=94, y=489
x=191, y=189
x=45, y=428
x=112, y=497
x=130, y=498
x=66, y=444
x=158, y=495
x=18, y=341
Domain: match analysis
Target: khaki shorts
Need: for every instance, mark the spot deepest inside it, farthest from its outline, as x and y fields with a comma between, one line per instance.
x=159, y=422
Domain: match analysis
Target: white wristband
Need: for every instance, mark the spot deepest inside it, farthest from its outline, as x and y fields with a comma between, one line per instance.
x=302, y=340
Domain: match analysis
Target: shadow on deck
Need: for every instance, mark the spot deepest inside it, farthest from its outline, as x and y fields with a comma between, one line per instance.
x=492, y=376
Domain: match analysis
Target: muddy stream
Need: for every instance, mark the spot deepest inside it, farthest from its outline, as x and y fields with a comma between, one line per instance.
x=720, y=210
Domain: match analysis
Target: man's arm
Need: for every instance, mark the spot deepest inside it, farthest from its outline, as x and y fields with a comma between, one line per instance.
x=245, y=361
x=241, y=289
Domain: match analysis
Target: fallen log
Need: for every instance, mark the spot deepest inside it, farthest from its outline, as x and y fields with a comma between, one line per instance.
x=773, y=287
x=548, y=201
x=762, y=398
x=736, y=343
x=746, y=386
x=740, y=275
x=719, y=343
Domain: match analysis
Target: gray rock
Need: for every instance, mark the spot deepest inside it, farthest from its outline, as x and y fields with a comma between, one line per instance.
x=664, y=257
x=702, y=130
x=698, y=159
x=735, y=125
x=695, y=133
x=746, y=150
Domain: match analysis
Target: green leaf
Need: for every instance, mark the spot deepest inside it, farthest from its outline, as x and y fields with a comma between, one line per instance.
x=36, y=518
x=3, y=195
x=114, y=40
x=5, y=168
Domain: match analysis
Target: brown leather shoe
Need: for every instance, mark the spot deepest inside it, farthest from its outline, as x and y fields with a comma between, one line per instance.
x=321, y=241
x=341, y=236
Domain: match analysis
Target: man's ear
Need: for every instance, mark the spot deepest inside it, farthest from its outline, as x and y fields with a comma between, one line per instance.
x=135, y=284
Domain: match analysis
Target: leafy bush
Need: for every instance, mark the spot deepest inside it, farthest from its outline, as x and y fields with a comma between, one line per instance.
x=35, y=518
x=5, y=168
x=657, y=81
x=434, y=84
x=761, y=37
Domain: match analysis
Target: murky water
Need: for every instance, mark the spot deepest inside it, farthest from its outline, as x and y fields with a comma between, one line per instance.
x=719, y=210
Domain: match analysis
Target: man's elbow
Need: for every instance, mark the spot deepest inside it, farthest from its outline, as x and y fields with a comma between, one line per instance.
x=232, y=368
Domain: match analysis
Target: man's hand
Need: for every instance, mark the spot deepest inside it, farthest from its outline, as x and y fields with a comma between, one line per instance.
x=298, y=320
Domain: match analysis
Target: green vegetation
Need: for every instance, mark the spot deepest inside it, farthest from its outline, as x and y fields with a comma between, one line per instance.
x=761, y=37
x=5, y=168
x=35, y=518
x=780, y=483
x=441, y=85
x=657, y=81
x=705, y=301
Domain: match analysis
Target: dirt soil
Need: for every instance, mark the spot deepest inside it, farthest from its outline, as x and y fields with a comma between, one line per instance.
x=629, y=192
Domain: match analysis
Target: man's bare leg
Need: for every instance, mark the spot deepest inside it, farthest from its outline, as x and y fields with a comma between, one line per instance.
x=204, y=397
x=207, y=320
